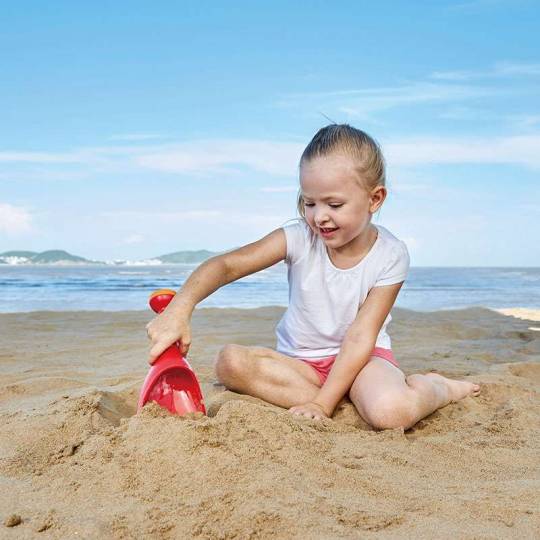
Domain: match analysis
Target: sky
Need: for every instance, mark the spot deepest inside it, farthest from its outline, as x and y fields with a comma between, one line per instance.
x=133, y=129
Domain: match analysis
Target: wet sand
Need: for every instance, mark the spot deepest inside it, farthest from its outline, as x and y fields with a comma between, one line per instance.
x=75, y=460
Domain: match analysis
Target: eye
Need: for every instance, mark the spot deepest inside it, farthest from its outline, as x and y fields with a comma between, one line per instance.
x=330, y=205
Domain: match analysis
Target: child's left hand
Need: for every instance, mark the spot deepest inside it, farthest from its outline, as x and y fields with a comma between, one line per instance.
x=309, y=410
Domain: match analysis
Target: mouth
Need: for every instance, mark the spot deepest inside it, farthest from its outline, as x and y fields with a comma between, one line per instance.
x=326, y=232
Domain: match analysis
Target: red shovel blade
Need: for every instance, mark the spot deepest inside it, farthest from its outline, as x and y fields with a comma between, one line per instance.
x=172, y=384
x=170, y=392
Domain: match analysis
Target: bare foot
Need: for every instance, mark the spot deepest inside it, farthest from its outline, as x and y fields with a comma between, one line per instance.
x=456, y=389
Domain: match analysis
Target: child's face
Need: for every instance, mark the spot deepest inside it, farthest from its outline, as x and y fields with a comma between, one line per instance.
x=333, y=199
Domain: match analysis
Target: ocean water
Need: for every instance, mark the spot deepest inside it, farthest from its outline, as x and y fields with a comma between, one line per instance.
x=117, y=288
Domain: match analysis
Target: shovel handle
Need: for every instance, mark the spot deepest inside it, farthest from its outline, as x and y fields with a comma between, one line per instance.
x=160, y=299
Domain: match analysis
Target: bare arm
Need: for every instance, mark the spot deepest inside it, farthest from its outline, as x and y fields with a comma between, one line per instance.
x=228, y=267
x=174, y=323
x=357, y=346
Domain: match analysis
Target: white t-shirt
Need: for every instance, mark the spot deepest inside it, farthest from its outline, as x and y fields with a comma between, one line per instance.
x=323, y=299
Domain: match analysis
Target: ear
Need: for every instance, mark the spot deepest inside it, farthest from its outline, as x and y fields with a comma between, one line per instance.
x=377, y=197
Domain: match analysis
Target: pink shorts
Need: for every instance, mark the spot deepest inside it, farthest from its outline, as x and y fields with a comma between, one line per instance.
x=323, y=365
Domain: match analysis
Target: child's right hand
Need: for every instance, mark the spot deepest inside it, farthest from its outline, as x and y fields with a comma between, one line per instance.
x=167, y=328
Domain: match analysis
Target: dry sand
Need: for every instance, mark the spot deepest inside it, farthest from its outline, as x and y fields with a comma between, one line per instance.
x=75, y=462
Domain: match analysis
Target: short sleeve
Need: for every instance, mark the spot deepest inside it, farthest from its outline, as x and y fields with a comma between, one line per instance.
x=297, y=237
x=397, y=267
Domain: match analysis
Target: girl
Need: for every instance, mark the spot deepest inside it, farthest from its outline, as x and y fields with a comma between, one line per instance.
x=344, y=276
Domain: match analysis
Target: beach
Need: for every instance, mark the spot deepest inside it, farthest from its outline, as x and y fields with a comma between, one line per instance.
x=77, y=462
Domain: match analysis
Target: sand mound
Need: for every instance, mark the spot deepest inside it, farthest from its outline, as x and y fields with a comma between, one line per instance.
x=252, y=470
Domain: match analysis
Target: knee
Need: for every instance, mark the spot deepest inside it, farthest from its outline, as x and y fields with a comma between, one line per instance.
x=391, y=411
x=229, y=362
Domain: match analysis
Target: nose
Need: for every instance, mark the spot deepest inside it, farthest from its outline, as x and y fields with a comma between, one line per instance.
x=320, y=217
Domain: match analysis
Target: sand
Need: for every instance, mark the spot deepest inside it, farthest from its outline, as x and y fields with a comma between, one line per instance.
x=77, y=462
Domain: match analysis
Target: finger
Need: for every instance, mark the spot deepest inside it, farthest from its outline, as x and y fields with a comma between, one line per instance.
x=155, y=351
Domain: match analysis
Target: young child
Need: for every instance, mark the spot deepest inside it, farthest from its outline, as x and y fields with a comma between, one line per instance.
x=344, y=276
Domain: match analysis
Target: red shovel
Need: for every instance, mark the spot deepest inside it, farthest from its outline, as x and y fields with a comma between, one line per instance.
x=171, y=382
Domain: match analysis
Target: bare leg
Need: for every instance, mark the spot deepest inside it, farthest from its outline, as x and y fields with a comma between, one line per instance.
x=385, y=398
x=266, y=374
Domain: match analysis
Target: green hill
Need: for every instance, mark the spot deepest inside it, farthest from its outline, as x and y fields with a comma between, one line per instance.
x=57, y=255
x=52, y=256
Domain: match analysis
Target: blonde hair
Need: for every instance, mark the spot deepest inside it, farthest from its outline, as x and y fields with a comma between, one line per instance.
x=355, y=143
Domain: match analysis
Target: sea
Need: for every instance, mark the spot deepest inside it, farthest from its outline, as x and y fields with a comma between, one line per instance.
x=118, y=288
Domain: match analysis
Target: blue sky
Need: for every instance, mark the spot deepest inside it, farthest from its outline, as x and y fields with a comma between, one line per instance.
x=133, y=129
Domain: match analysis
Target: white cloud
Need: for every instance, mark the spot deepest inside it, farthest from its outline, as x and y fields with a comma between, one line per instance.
x=42, y=157
x=135, y=137
x=475, y=4
x=134, y=239
x=14, y=219
x=498, y=70
x=517, y=68
x=518, y=150
x=404, y=187
x=150, y=219
x=532, y=208
x=224, y=156
x=231, y=158
x=526, y=121
x=161, y=216
x=364, y=102
x=43, y=174
x=202, y=157
x=452, y=88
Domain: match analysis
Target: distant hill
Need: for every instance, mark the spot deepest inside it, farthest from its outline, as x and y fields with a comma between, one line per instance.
x=61, y=257
x=57, y=255
x=25, y=254
x=52, y=256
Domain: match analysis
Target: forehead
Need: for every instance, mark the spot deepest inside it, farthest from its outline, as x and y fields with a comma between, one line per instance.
x=327, y=176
